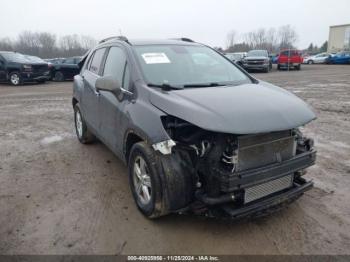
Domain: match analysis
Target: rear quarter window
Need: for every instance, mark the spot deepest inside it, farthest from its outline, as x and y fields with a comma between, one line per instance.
x=96, y=61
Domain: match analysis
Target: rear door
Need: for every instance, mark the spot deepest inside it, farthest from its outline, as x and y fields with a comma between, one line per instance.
x=112, y=109
x=90, y=97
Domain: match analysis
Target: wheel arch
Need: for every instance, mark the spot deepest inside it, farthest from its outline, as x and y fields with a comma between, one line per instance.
x=130, y=139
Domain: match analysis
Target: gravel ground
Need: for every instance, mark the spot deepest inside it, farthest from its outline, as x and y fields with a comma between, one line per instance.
x=60, y=197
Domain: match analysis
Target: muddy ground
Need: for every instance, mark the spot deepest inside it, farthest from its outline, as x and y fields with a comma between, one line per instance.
x=60, y=197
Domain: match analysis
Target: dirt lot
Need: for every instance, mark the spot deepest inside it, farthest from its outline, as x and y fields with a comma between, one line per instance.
x=60, y=197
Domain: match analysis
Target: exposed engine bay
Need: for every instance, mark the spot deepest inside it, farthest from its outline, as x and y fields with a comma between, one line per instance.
x=234, y=171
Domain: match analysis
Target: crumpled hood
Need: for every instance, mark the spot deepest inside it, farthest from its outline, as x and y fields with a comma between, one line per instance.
x=243, y=109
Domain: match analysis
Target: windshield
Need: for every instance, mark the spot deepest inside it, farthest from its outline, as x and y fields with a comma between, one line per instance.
x=35, y=59
x=257, y=53
x=186, y=65
x=15, y=57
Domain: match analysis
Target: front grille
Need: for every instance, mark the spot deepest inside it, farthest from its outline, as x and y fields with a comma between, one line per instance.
x=255, y=62
x=265, y=189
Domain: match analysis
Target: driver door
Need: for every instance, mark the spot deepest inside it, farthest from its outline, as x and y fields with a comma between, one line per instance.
x=111, y=108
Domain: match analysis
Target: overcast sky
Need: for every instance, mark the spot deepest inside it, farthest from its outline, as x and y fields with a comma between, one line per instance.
x=202, y=20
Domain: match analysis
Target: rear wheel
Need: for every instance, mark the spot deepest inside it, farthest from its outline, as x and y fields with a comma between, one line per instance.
x=82, y=131
x=298, y=67
x=278, y=67
x=59, y=77
x=310, y=62
x=15, y=79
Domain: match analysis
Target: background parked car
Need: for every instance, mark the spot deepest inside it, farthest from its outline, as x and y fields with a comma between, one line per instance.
x=339, y=58
x=65, y=69
x=316, y=59
x=17, y=68
x=257, y=60
x=236, y=57
x=289, y=58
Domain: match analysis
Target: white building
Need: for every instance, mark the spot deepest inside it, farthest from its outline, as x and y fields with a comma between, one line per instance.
x=339, y=38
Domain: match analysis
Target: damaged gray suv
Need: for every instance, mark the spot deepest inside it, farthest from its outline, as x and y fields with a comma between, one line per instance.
x=198, y=133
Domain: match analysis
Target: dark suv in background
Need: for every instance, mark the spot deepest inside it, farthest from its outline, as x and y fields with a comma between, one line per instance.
x=17, y=69
x=64, y=68
x=257, y=60
x=197, y=132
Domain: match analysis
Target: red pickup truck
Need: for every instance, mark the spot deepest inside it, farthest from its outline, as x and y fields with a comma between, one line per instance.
x=289, y=58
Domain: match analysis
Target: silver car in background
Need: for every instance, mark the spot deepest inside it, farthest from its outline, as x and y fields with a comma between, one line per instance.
x=316, y=59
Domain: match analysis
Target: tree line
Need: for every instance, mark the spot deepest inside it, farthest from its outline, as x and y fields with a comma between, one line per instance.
x=47, y=45
x=271, y=39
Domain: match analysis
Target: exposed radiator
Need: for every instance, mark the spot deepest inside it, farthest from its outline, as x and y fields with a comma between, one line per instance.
x=263, y=149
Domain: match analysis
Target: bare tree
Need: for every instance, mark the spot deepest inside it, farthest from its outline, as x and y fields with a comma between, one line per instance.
x=87, y=42
x=47, y=44
x=287, y=37
x=230, y=39
x=6, y=44
x=28, y=43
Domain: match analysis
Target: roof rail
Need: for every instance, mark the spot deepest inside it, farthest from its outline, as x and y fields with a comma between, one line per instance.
x=185, y=39
x=121, y=38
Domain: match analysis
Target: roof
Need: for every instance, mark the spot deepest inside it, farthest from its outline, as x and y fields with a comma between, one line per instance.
x=139, y=42
x=340, y=25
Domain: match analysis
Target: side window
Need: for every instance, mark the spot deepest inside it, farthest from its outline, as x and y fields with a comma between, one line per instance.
x=69, y=61
x=96, y=61
x=116, y=66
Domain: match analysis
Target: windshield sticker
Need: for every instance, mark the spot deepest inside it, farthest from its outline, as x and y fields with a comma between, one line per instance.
x=155, y=58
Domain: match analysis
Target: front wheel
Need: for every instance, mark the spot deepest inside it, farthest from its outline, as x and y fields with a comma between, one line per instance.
x=310, y=62
x=15, y=79
x=145, y=182
x=82, y=131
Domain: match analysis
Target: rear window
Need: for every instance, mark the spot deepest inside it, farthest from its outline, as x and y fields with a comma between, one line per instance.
x=95, y=65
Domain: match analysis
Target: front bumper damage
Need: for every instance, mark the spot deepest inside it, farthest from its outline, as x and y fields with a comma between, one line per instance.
x=232, y=205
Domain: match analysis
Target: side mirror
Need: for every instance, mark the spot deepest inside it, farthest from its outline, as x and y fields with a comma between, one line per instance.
x=110, y=84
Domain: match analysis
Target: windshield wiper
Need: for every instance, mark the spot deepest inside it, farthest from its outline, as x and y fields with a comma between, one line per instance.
x=164, y=86
x=205, y=85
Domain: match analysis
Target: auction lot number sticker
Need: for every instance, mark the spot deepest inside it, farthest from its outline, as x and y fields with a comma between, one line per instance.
x=155, y=58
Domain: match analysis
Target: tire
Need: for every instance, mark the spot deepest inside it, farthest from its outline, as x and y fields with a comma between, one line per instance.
x=41, y=81
x=310, y=62
x=83, y=134
x=266, y=70
x=15, y=78
x=298, y=67
x=58, y=76
x=170, y=177
x=146, y=184
x=278, y=67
